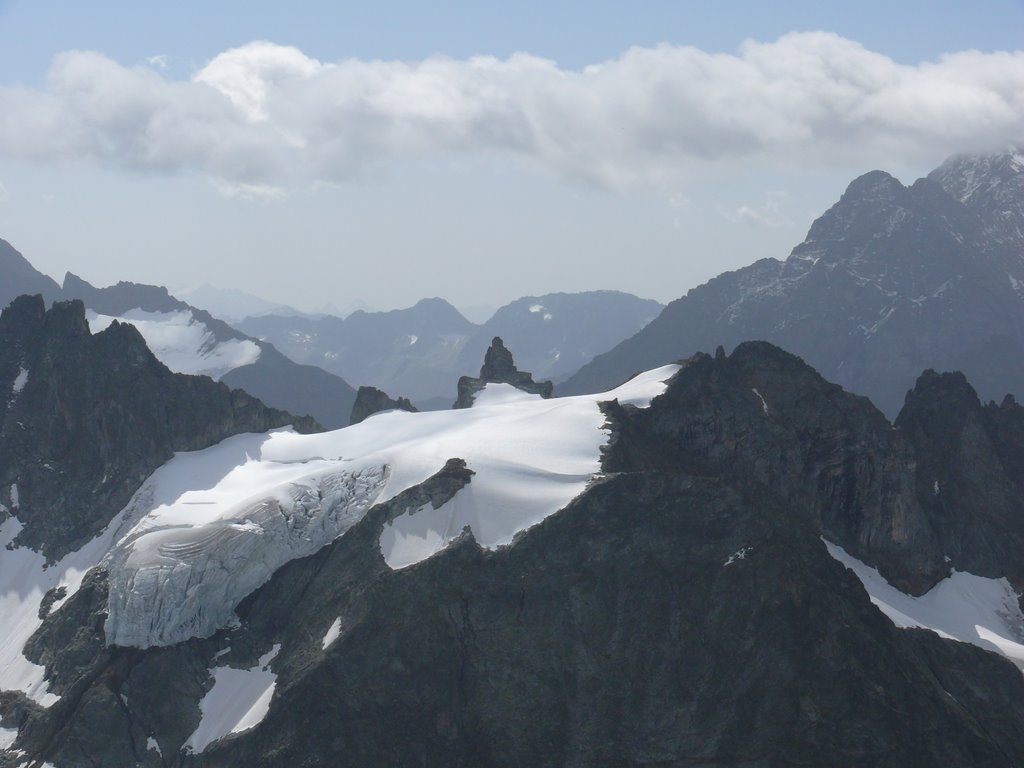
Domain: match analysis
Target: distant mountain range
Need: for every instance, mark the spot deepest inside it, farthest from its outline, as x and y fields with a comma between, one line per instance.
x=190, y=340
x=421, y=351
x=889, y=281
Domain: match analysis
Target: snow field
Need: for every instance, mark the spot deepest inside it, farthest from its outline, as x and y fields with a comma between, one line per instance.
x=182, y=343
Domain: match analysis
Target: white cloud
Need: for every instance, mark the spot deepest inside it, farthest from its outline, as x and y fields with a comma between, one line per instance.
x=4, y=194
x=767, y=214
x=160, y=61
x=264, y=116
x=680, y=206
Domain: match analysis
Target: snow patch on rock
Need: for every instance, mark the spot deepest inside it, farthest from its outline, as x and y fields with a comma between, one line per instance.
x=971, y=609
x=183, y=343
x=238, y=701
x=8, y=737
x=20, y=380
x=332, y=634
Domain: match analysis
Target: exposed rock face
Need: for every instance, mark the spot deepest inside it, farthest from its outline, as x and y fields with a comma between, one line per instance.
x=624, y=630
x=970, y=473
x=370, y=400
x=499, y=368
x=890, y=281
x=84, y=419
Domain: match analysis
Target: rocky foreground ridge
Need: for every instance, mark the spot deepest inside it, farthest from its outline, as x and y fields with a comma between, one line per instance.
x=682, y=611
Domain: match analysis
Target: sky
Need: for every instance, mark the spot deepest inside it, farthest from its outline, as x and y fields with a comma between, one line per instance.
x=323, y=153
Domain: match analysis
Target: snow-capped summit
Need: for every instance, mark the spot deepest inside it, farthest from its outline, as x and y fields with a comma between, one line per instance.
x=992, y=187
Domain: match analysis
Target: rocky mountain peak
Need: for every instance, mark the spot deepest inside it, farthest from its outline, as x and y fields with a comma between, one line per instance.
x=498, y=364
x=85, y=418
x=499, y=368
x=370, y=400
x=992, y=186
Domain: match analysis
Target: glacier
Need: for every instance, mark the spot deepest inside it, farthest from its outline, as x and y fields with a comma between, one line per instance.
x=213, y=525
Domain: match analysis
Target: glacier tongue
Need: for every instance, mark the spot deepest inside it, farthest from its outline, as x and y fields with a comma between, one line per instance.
x=213, y=525
x=172, y=580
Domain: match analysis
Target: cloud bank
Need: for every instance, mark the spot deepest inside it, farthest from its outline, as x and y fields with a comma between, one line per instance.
x=264, y=117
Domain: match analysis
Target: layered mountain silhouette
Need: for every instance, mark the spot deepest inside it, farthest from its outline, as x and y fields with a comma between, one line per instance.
x=420, y=351
x=190, y=340
x=889, y=281
x=413, y=351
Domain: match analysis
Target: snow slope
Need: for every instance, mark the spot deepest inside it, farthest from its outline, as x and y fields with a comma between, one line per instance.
x=964, y=607
x=24, y=581
x=238, y=701
x=222, y=520
x=183, y=343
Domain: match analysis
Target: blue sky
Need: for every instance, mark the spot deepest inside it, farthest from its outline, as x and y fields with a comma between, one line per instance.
x=446, y=200
x=572, y=33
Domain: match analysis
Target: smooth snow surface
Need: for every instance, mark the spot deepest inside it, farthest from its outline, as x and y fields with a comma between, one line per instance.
x=20, y=380
x=333, y=633
x=964, y=607
x=532, y=457
x=220, y=521
x=152, y=745
x=183, y=343
x=238, y=701
x=7, y=737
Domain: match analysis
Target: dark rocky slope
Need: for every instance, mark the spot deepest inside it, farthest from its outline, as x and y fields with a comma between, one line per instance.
x=890, y=281
x=681, y=612
x=370, y=400
x=94, y=416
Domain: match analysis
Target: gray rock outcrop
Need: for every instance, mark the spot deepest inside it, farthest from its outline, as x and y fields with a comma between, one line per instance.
x=499, y=368
x=370, y=400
